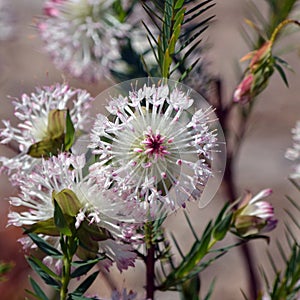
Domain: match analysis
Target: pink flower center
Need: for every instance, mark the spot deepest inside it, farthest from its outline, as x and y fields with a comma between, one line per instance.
x=155, y=145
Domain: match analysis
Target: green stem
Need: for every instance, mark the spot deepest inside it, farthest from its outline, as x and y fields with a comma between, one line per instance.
x=66, y=268
x=280, y=26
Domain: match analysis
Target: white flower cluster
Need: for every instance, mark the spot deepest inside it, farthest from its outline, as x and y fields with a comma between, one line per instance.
x=152, y=154
x=33, y=113
x=84, y=37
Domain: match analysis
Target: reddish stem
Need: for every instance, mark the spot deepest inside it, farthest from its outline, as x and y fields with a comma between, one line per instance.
x=150, y=262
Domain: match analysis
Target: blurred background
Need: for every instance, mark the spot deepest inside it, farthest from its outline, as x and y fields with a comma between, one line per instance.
x=261, y=163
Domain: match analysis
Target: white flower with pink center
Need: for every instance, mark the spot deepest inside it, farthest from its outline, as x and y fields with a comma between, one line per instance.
x=153, y=150
x=33, y=112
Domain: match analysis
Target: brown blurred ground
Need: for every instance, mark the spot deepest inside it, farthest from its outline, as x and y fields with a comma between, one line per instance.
x=261, y=163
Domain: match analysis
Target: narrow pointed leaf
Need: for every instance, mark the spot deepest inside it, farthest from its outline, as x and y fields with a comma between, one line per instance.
x=44, y=246
x=39, y=292
x=83, y=267
x=44, y=272
x=83, y=287
x=282, y=74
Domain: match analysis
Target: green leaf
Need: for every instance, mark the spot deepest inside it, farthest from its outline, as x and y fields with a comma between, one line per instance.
x=191, y=226
x=39, y=292
x=60, y=220
x=83, y=287
x=222, y=227
x=44, y=246
x=44, y=272
x=190, y=289
x=70, y=132
x=210, y=291
x=84, y=267
x=179, y=4
x=281, y=73
x=166, y=64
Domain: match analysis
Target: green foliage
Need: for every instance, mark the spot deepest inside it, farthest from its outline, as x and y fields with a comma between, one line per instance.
x=192, y=263
x=190, y=289
x=44, y=246
x=285, y=284
x=4, y=269
x=70, y=241
x=84, y=286
x=38, y=292
x=179, y=34
x=278, y=11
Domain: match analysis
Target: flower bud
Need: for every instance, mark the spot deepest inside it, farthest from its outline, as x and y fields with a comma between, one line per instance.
x=257, y=75
x=253, y=215
x=260, y=56
x=242, y=93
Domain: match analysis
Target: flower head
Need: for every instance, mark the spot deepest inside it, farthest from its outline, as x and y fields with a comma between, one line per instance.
x=82, y=36
x=254, y=215
x=61, y=178
x=294, y=152
x=152, y=150
x=40, y=117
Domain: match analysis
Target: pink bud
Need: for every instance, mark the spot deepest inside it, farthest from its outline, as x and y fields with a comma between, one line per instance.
x=243, y=91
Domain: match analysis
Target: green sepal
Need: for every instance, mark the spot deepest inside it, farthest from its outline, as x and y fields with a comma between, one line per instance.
x=60, y=135
x=95, y=232
x=67, y=201
x=46, y=227
x=63, y=222
x=249, y=225
x=47, y=147
x=56, y=123
x=70, y=132
x=89, y=236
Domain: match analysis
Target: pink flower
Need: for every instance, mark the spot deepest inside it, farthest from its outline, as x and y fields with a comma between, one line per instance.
x=254, y=215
